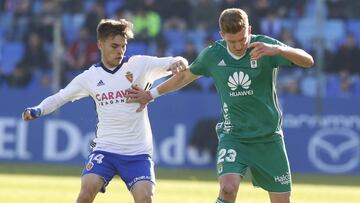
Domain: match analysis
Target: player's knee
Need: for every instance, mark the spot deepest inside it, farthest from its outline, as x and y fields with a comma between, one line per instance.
x=145, y=197
x=228, y=189
x=280, y=198
x=85, y=196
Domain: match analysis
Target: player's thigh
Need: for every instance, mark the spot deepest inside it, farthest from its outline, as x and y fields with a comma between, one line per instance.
x=91, y=183
x=270, y=167
x=143, y=189
x=230, y=159
x=133, y=169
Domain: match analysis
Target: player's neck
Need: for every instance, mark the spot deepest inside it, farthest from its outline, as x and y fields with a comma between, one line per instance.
x=108, y=66
x=235, y=56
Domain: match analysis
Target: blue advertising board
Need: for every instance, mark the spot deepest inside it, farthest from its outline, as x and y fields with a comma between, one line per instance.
x=321, y=135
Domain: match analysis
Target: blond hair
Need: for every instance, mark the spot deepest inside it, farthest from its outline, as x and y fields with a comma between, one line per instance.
x=110, y=28
x=233, y=20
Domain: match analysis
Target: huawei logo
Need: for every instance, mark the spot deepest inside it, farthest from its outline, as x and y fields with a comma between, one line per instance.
x=239, y=79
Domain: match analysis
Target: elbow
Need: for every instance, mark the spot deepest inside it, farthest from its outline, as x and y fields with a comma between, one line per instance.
x=309, y=62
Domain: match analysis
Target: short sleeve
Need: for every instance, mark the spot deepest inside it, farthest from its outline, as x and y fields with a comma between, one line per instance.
x=156, y=67
x=278, y=60
x=200, y=65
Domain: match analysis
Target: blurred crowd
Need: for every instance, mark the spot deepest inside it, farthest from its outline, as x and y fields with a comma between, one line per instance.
x=177, y=27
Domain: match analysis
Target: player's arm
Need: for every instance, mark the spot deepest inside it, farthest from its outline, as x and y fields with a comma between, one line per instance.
x=177, y=81
x=73, y=91
x=47, y=106
x=295, y=55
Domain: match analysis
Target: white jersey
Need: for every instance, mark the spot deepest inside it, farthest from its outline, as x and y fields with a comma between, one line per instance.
x=120, y=129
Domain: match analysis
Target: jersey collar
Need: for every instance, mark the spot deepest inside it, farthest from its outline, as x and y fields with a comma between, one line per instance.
x=112, y=71
x=233, y=55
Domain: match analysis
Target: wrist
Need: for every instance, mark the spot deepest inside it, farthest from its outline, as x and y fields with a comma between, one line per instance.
x=154, y=93
x=34, y=112
x=280, y=50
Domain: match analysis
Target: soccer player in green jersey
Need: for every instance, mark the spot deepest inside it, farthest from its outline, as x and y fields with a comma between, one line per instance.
x=244, y=68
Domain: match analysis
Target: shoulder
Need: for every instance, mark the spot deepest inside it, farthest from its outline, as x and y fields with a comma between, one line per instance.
x=213, y=51
x=265, y=39
x=216, y=47
x=139, y=59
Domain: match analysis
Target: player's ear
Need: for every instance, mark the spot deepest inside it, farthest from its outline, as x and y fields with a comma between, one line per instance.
x=222, y=34
x=99, y=44
x=249, y=31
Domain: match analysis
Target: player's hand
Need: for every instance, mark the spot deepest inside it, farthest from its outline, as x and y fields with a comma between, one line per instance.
x=261, y=49
x=137, y=95
x=178, y=66
x=31, y=114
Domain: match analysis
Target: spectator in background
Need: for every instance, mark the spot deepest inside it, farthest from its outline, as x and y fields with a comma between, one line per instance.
x=346, y=87
x=290, y=8
x=271, y=25
x=36, y=59
x=124, y=13
x=175, y=19
x=20, y=77
x=21, y=20
x=336, y=8
x=203, y=15
x=347, y=57
x=224, y=4
x=287, y=38
x=44, y=22
x=190, y=52
x=83, y=52
x=147, y=22
x=35, y=56
x=257, y=11
x=96, y=13
x=73, y=6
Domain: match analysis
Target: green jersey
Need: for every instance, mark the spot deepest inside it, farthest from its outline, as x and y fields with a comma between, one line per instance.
x=250, y=111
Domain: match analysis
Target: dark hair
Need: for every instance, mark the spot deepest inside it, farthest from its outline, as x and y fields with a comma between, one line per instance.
x=110, y=28
x=233, y=20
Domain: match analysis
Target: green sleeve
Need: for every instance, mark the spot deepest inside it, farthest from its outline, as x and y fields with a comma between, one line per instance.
x=200, y=65
x=277, y=60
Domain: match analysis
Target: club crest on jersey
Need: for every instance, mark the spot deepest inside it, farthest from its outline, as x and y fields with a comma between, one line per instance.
x=129, y=76
x=89, y=166
x=253, y=63
x=219, y=168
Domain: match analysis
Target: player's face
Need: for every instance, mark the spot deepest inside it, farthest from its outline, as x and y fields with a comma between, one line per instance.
x=112, y=50
x=237, y=42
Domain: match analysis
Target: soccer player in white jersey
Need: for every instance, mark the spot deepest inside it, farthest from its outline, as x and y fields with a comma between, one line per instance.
x=123, y=143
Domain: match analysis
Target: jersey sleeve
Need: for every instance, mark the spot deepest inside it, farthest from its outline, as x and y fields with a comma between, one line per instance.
x=155, y=67
x=200, y=65
x=76, y=89
x=277, y=60
x=71, y=92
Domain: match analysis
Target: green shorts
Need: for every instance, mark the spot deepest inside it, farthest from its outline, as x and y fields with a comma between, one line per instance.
x=267, y=162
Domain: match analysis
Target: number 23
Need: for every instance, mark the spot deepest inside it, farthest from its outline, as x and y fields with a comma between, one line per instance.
x=231, y=155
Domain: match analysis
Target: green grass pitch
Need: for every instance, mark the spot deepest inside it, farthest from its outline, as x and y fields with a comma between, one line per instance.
x=58, y=184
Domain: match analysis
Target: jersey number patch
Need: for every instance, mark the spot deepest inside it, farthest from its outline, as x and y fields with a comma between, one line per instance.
x=226, y=155
x=98, y=158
